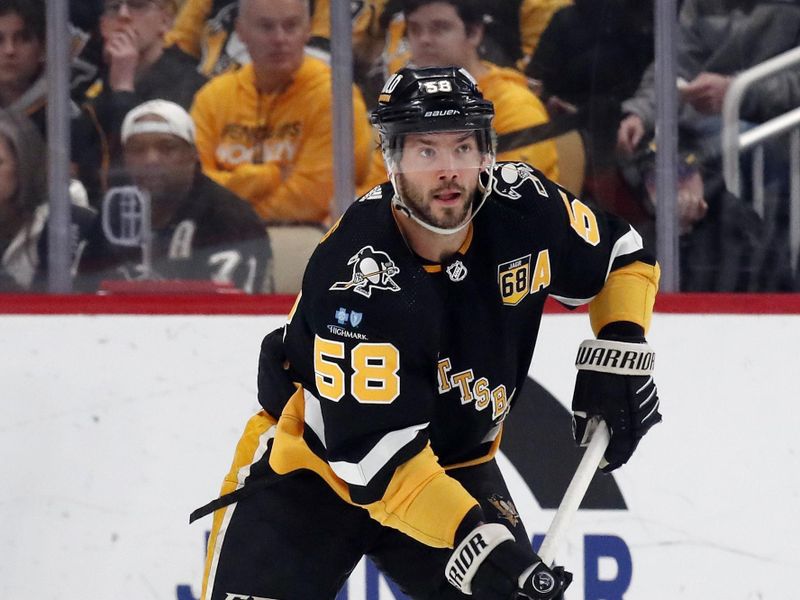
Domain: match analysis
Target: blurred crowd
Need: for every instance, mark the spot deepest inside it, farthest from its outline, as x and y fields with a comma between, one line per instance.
x=202, y=130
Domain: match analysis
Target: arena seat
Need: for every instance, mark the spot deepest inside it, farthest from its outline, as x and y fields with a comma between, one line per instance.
x=571, y=160
x=292, y=246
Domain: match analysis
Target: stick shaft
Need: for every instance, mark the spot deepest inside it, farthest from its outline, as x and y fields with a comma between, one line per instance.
x=574, y=494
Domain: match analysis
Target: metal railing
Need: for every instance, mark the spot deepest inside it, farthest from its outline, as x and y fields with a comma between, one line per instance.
x=734, y=143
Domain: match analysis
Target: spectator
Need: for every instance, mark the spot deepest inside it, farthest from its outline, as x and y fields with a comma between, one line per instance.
x=590, y=58
x=137, y=67
x=265, y=131
x=449, y=33
x=718, y=233
x=87, y=45
x=198, y=229
x=206, y=29
x=717, y=39
x=514, y=29
x=22, y=59
x=24, y=209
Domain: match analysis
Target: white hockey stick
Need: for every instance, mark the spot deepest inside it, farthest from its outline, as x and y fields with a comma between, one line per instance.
x=575, y=492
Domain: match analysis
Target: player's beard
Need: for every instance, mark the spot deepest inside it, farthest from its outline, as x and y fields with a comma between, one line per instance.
x=449, y=217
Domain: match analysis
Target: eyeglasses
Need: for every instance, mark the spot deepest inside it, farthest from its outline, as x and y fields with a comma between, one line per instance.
x=113, y=7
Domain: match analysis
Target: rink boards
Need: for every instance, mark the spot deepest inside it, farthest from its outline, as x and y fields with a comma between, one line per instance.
x=115, y=427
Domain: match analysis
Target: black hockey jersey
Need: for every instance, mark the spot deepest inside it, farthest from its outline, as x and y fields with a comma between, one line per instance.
x=213, y=236
x=406, y=367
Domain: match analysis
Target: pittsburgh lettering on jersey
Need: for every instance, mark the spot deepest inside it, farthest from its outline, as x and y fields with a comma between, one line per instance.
x=243, y=144
x=478, y=391
x=516, y=280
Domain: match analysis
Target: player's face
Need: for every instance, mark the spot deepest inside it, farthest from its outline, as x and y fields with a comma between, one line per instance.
x=438, y=175
x=438, y=37
x=21, y=53
x=161, y=163
x=275, y=33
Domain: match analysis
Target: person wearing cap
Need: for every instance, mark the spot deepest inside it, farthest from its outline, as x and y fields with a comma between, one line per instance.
x=265, y=131
x=200, y=230
x=385, y=395
x=138, y=66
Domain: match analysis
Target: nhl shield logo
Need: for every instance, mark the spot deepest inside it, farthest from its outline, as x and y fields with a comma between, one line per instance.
x=456, y=271
x=514, y=279
x=372, y=269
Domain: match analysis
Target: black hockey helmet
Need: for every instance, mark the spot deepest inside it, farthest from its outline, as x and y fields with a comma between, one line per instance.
x=431, y=99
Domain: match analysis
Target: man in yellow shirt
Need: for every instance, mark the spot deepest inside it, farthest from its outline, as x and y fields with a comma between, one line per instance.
x=206, y=30
x=265, y=130
x=449, y=33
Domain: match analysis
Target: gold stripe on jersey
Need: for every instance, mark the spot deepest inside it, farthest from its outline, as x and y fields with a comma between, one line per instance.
x=479, y=461
x=294, y=308
x=628, y=295
x=333, y=228
x=417, y=485
x=467, y=240
x=246, y=454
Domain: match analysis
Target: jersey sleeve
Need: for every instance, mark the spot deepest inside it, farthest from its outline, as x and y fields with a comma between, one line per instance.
x=602, y=262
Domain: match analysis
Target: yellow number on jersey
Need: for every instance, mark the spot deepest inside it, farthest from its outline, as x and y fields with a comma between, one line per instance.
x=374, y=379
x=582, y=219
x=328, y=375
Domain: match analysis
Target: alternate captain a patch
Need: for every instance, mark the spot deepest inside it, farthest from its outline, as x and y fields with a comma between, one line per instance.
x=372, y=269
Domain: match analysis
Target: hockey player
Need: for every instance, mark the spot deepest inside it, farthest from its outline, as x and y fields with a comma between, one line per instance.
x=385, y=394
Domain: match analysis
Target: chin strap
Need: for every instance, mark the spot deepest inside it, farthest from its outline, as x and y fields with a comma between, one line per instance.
x=400, y=205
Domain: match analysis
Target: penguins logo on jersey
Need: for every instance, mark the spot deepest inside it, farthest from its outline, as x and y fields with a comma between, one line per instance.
x=511, y=178
x=372, y=269
x=505, y=509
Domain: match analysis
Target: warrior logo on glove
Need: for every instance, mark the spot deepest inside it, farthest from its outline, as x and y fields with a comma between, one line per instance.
x=615, y=382
x=543, y=582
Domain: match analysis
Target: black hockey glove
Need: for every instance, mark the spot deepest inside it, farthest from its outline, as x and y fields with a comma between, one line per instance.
x=615, y=382
x=488, y=564
x=275, y=385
